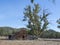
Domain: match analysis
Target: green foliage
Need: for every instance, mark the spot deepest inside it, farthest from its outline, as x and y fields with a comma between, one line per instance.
x=58, y=21
x=4, y=31
x=50, y=34
x=32, y=1
x=34, y=20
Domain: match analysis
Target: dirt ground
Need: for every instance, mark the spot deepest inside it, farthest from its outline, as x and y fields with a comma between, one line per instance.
x=28, y=42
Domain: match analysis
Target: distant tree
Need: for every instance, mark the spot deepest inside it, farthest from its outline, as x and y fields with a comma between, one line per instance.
x=1, y=32
x=50, y=34
x=5, y=31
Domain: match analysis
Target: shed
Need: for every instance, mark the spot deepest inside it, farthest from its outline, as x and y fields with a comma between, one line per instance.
x=22, y=34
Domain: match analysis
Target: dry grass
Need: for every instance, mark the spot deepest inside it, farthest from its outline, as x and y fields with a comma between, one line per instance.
x=28, y=42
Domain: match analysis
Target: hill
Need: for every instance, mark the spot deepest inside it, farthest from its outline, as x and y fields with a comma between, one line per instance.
x=5, y=31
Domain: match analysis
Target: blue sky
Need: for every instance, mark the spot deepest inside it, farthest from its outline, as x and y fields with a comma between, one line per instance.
x=11, y=12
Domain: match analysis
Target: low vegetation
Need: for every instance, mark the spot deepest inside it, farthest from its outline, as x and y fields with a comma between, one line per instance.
x=5, y=31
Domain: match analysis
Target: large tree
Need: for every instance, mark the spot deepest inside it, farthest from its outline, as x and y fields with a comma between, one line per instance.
x=36, y=23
